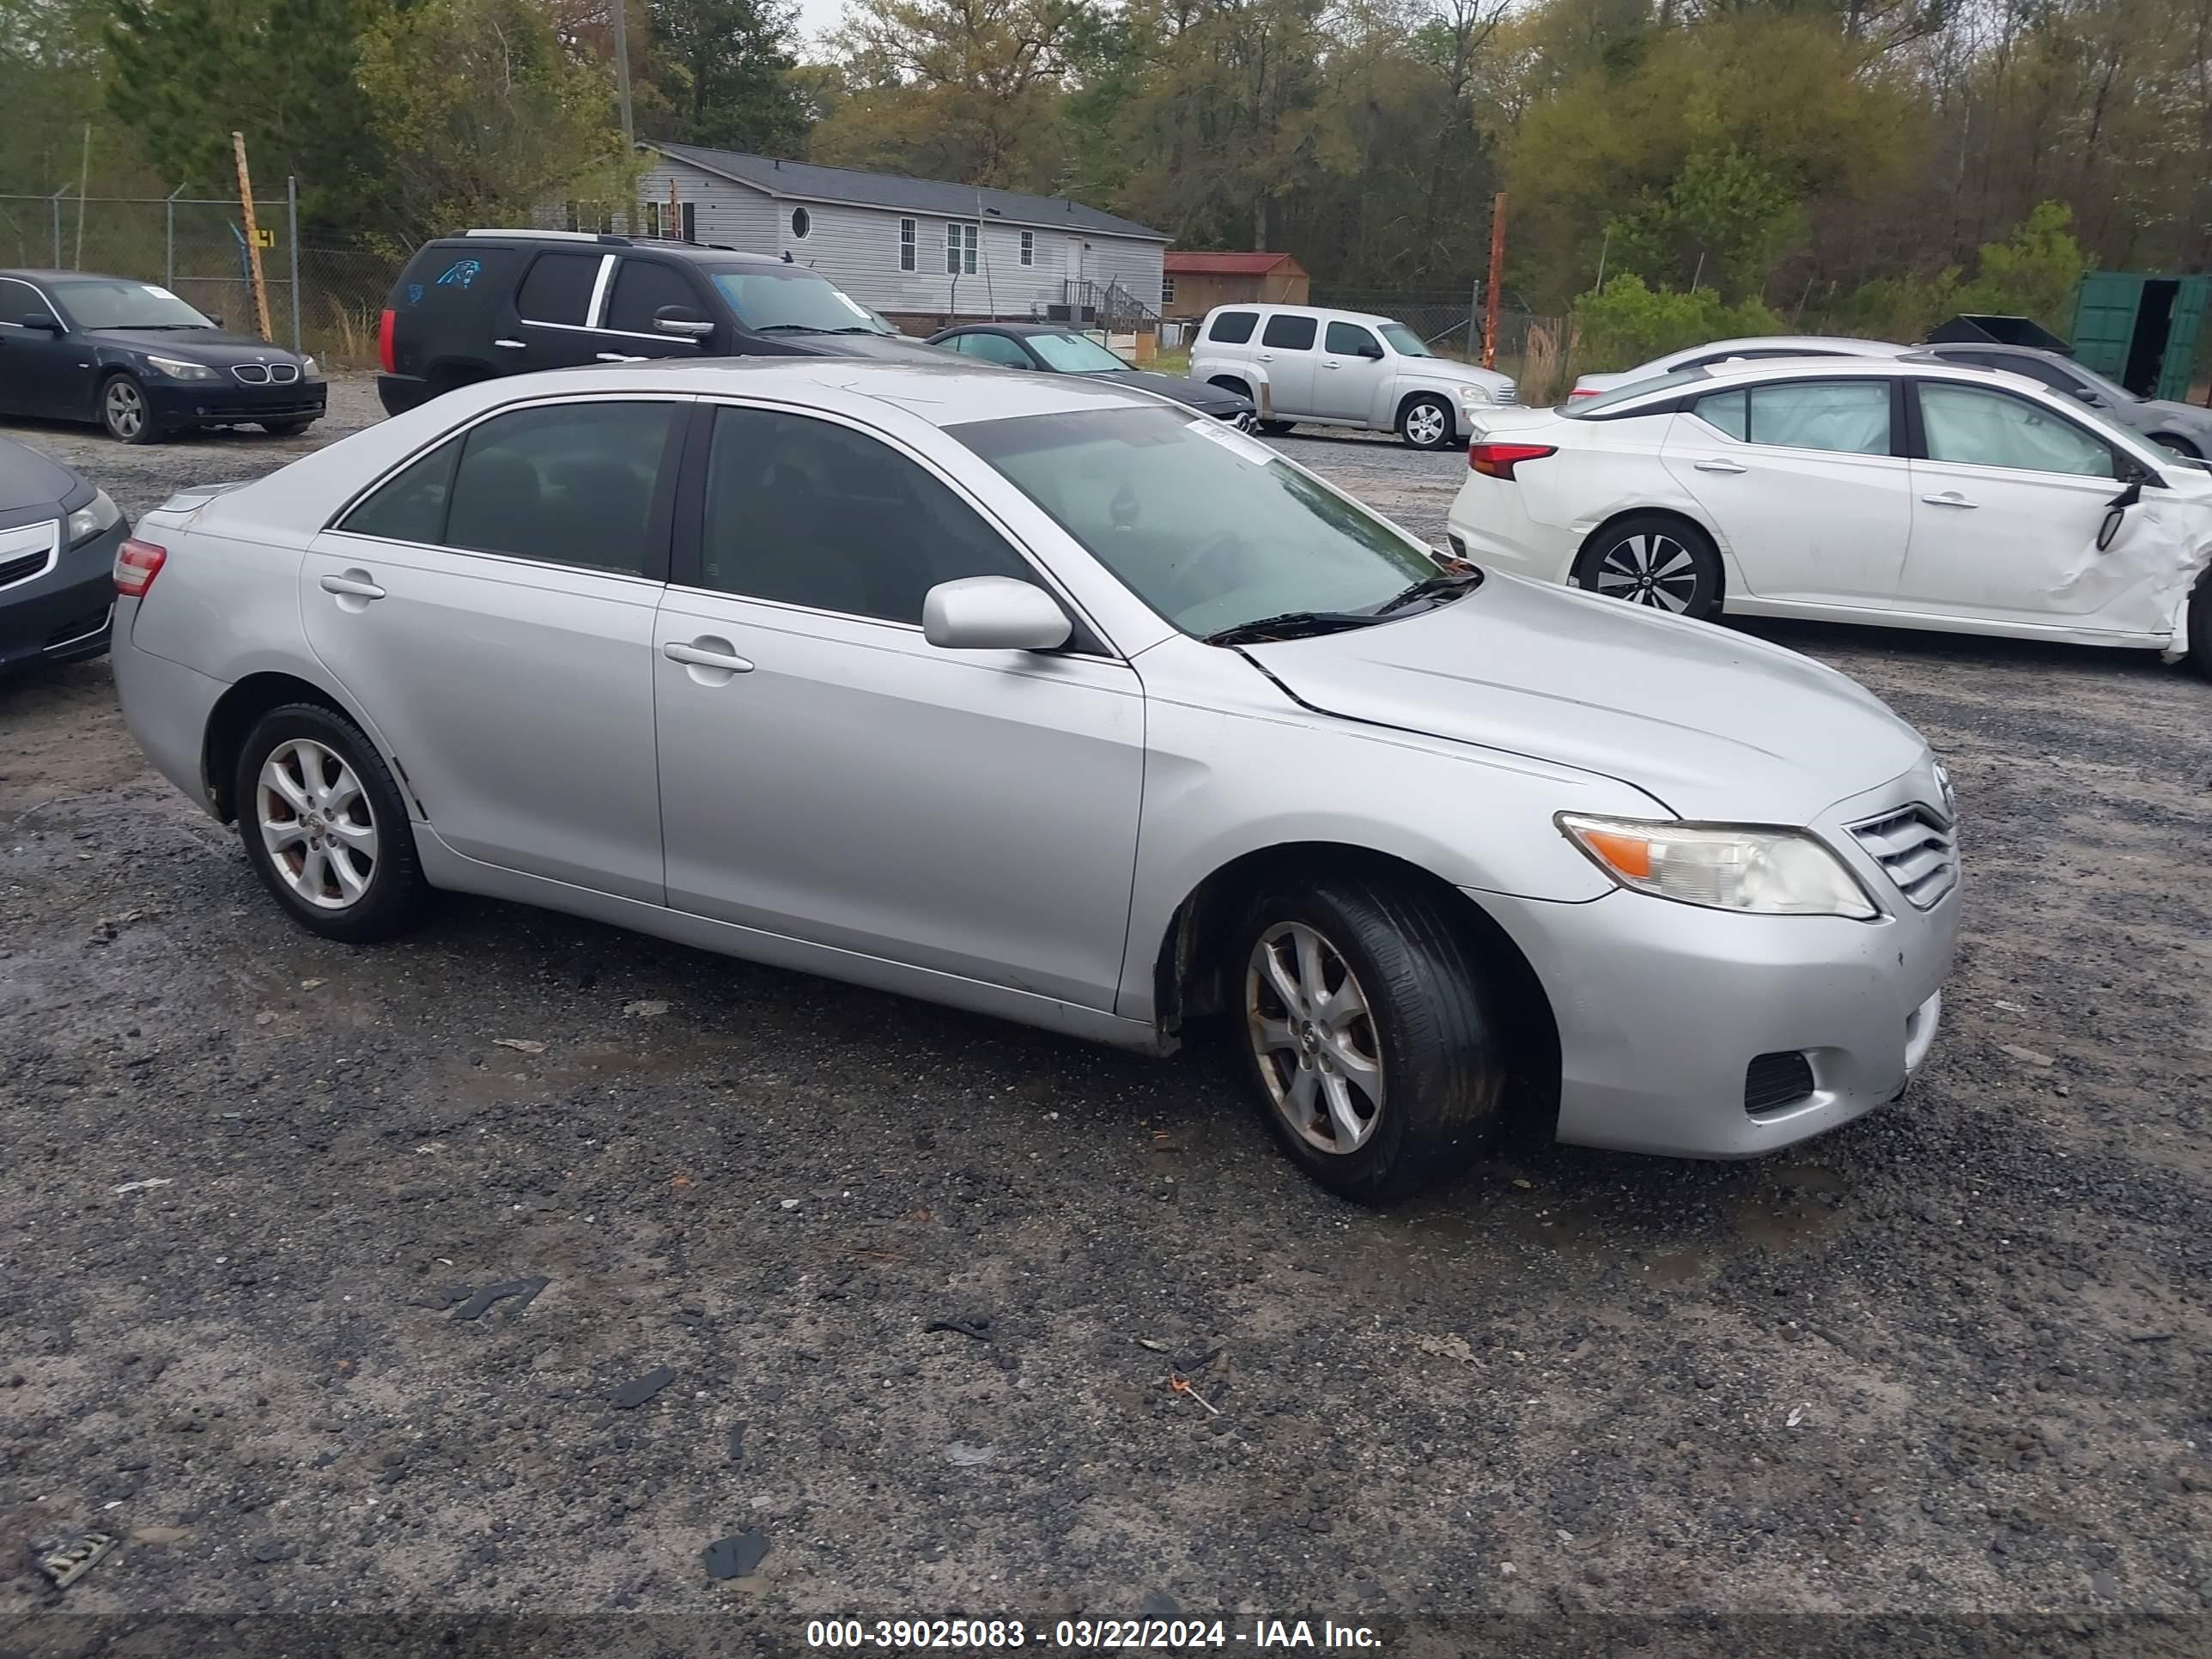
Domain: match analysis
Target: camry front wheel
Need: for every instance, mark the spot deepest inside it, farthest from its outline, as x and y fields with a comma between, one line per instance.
x=1368, y=1035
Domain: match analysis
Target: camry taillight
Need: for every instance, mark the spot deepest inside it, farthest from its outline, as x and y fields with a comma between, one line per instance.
x=383, y=340
x=136, y=564
x=1499, y=460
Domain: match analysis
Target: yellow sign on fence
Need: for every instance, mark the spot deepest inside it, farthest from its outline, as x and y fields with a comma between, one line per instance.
x=263, y=236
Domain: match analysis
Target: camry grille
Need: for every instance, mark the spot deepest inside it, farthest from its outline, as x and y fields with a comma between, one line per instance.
x=1918, y=849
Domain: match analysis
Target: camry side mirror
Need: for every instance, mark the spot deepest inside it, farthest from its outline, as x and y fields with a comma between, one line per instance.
x=682, y=321
x=43, y=320
x=993, y=613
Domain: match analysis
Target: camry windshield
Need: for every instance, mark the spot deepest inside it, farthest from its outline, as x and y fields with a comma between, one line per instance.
x=1212, y=528
x=108, y=304
x=1072, y=354
x=1405, y=341
x=790, y=299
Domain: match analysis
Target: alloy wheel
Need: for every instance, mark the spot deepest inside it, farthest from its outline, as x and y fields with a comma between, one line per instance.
x=316, y=824
x=1650, y=568
x=1425, y=424
x=126, y=409
x=1314, y=1037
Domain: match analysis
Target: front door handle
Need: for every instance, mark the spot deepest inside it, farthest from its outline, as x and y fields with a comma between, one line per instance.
x=1717, y=465
x=513, y=345
x=706, y=653
x=354, y=584
x=1949, y=498
x=618, y=357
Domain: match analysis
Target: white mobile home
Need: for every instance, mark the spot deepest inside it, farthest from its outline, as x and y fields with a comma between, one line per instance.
x=918, y=250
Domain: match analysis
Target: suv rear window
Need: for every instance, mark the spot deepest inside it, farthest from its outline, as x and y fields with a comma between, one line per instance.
x=1233, y=327
x=559, y=287
x=1287, y=332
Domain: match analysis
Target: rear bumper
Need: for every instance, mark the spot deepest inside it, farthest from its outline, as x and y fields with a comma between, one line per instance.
x=400, y=393
x=1490, y=523
x=166, y=707
x=65, y=615
x=228, y=403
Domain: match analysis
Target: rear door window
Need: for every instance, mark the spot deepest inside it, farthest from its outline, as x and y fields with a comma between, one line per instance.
x=564, y=483
x=558, y=288
x=1849, y=416
x=1287, y=332
x=641, y=288
x=1233, y=327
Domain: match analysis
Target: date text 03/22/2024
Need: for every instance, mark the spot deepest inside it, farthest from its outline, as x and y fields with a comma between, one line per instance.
x=1093, y=1635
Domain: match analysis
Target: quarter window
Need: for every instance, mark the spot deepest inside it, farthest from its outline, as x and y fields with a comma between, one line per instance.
x=1232, y=327
x=567, y=484
x=1287, y=332
x=641, y=288
x=906, y=244
x=1967, y=424
x=1848, y=417
x=558, y=288
x=805, y=512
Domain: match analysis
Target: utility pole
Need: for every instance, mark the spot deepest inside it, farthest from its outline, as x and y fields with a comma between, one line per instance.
x=252, y=235
x=1496, y=280
x=622, y=81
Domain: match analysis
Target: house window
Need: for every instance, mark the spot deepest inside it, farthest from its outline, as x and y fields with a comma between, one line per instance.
x=960, y=250
x=1029, y=247
x=652, y=219
x=1167, y=290
x=906, y=244
x=801, y=222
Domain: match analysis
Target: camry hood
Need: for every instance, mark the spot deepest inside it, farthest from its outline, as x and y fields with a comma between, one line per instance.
x=1716, y=725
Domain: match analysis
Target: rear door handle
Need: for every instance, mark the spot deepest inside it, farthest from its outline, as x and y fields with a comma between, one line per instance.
x=1717, y=465
x=618, y=357
x=355, y=584
x=699, y=656
x=513, y=345
x=1949, y=498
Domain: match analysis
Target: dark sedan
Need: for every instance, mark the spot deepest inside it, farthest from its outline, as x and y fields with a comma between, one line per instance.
x=57, y=540
x=1058, y=350
x=138, y=360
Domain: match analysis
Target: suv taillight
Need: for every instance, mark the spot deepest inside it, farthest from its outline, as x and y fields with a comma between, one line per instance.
x=383, y=340
x=136, y=564
x=1499, y=460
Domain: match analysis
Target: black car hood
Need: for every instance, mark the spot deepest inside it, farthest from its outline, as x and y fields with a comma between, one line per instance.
x=212, y=346
x=1196, y=394
x=887, y=348
x=29, y=481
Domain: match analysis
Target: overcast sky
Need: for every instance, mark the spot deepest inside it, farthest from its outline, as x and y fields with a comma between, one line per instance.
x=816, y=18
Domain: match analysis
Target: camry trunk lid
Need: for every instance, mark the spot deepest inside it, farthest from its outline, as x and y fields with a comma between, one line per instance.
x=1713, y=723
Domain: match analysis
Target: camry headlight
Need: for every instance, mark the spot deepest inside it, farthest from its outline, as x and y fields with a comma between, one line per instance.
x=1722, y=866
x=96, y=515
x=176, y=370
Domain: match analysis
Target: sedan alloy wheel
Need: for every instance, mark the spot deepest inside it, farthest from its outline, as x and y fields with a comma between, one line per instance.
x=1313, y=1035
x=316, y=824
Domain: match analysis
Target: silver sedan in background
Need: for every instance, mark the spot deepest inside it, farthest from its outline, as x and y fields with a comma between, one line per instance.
x=1039, y=697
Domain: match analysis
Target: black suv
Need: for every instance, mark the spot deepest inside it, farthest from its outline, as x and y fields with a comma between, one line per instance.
x=492, y=303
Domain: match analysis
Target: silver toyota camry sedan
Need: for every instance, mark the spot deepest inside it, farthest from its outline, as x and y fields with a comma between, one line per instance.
x=1043, y=697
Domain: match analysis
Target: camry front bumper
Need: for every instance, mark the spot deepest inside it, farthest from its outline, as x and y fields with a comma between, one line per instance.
x=1664, y=1010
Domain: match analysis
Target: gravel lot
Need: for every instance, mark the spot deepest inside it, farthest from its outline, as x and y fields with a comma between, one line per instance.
x=1957, y=1356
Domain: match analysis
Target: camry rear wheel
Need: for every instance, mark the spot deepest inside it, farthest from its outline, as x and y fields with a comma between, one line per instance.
x=1650, y=559
x=1368, y=1035
x=325, y=826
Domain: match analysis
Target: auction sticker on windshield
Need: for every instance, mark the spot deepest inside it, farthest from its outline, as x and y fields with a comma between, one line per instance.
x=1236, y=442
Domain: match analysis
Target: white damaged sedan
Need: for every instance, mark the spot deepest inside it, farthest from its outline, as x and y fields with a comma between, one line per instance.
x=1900, y=491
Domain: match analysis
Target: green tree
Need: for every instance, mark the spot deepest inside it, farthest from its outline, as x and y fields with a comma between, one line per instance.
x=1627, y=322
x=180, y=79
x=725, y=67
x=483, y=116
x=2033, y=273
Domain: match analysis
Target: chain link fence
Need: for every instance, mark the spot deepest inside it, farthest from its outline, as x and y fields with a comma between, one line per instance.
x=322, y=299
